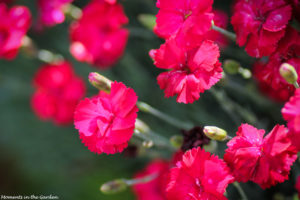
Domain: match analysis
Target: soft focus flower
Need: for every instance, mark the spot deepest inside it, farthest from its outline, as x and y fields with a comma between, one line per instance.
x=263, y=160
x=14, y=24
x=98, y=37
x=58, y=90
x=291, y=113
x=51, y=12
x=188, y=20
x=268, y=76
x=155, y=189
x=106, y=122
x=111, y=1
x=297, y=186
x=260, y=24
x=190, y=72
x=199, y=175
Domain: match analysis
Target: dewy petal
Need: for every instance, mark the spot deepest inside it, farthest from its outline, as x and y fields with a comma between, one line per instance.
x=264, y=162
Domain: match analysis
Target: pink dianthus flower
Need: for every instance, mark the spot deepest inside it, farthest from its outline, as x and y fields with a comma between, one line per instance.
x=106, y=122
x=263, y=160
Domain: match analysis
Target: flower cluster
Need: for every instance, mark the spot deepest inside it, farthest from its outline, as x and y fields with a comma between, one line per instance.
x=189, y=54
x=260, y=24
x=267, y=74
x=58, y=90
x=14, y=24
x=98, y=37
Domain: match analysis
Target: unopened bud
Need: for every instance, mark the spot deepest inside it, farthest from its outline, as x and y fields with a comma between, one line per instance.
x=231, y=66
x=176, y=141
x=215, y=133
x=246, y=73
x=141, y=126
x=113, y=187
x=289, y=73
x=147, y=20
x=100, y=82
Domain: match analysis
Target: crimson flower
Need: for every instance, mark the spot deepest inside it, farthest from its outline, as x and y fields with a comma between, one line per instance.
x=188, y=20
x=199, y=175
x=155, y=189
x=58, y=90
x=101, y=22
x=14, y=24
x=191, y=72
x=291, y=113
x=268, y=76
x=51, y=12
x=263, y=160
x=260, y=24
x=106, y=122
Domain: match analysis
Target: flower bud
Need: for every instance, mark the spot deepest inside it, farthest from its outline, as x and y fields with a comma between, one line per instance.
x=289, y=73
x=114, y=186
x=231, y=66
x=176, y=141
x=100, y=82
x=141, y=126
x=215, y=133
x=147, y=20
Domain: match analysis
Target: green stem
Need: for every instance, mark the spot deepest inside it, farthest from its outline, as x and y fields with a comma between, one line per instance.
x=240, y=190
x=228, y=34
x=231, y=107
x=171, y=120
x=155, y=138
x=144, y=179
x=296, y=85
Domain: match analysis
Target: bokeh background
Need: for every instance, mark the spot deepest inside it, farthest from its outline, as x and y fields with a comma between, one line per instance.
x=41, y=158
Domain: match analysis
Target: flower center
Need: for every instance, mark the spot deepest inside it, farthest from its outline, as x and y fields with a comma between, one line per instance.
x=187, y=14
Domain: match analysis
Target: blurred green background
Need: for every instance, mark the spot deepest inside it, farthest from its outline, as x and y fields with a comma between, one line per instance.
x=40, y=158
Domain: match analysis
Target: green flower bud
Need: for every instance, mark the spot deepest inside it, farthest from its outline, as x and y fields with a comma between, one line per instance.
x=113, y=187
x=289, y=73
x=215, y=133
x=176, y=141
x=100, y=82
x=231, y=66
